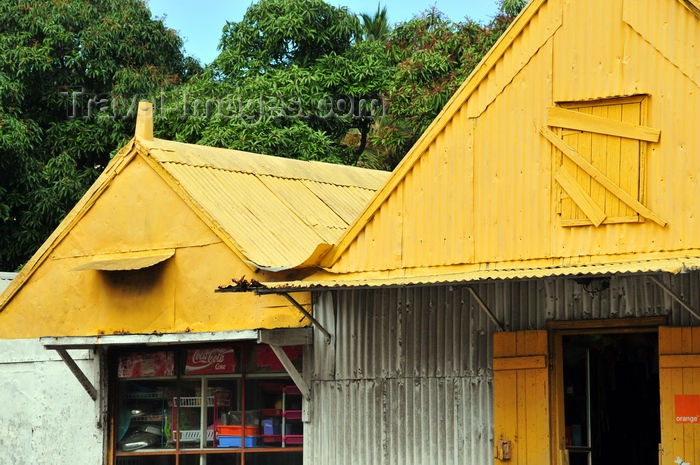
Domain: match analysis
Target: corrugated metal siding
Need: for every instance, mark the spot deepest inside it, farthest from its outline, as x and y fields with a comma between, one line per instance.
x=523, y=48
x=406, y=230
x=409, y=369
x=577, y=50
x=513, y=174
x=660, y=29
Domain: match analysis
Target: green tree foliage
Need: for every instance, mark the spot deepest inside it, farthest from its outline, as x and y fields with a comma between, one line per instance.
x=433, y=56
x=512, y=7
x=276, y=34
x=291, y=80
x=71, y=72
x=294, y=78
x=375, y=27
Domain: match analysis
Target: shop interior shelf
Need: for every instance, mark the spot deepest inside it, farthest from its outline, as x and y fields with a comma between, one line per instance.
x=147, y=417
x=138, y=395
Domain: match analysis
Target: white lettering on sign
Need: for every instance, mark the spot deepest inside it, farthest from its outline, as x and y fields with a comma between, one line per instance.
x=204, y=358
x=686, y=419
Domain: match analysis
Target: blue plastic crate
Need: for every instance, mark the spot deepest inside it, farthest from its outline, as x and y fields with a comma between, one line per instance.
x=235, y=441
x=271, y=426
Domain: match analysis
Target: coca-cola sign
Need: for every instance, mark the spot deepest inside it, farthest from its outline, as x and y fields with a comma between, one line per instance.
x=210, y=360
x=146, y=364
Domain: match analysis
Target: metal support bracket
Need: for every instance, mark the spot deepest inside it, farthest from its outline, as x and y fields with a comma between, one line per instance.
x=483, y=306
x=674, y=296
x=292, y=370
x=308, y=315
x=75, y=369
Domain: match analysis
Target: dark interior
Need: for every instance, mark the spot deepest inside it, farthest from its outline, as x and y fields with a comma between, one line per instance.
x=618, y=376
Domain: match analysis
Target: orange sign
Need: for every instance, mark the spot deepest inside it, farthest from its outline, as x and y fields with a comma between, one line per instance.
x=687, y=408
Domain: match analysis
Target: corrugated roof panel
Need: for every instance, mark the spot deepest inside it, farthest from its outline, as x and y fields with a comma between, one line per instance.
x=310, y=208
x=345, y=201
x=275, y=210
x=237, y=160
x=267, y=232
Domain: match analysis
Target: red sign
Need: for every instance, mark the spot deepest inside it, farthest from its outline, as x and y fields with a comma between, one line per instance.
x=146, y=364
x=687, y=408
x=210, y=360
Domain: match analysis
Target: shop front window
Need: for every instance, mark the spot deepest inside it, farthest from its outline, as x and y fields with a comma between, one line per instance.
x=206, y=405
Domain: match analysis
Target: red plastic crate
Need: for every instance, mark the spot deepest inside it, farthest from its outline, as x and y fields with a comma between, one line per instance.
x=294, y=439
x=292, y=391
x=268, y=438
x=292, y=414
x=270, y=412
x=235, y=430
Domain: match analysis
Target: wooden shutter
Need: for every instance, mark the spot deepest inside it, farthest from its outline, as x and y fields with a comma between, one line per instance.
x=679, y=378
x=521, y=396
x=599, y=166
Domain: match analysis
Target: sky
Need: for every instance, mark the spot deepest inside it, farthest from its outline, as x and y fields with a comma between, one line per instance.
x=200, y=22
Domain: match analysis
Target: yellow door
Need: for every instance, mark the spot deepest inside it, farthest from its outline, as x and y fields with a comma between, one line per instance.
x=679, y=377
x=521, y=398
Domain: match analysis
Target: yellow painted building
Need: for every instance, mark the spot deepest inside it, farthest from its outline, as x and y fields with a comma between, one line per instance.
x=572, y=144
x=556, y=194
x=166, y=225
x=125, y=294
x=522, y=289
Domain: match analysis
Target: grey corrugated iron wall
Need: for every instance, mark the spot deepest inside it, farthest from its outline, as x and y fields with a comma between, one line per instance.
x=407, y=377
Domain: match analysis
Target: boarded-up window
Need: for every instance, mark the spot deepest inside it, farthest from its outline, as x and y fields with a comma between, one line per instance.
x=606, y=183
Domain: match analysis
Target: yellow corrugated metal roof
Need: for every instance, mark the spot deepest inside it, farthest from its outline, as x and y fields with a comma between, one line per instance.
x=276, y=213
x=275, y=210
x=482, y=272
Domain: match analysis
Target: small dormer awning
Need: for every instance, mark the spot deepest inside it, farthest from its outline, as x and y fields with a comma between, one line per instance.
x=126, y=260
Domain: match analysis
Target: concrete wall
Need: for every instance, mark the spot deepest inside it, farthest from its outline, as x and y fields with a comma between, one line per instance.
x=46, y=417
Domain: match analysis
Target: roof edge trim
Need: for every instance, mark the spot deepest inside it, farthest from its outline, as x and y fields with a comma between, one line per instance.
x=660, y=265
x=282, y=336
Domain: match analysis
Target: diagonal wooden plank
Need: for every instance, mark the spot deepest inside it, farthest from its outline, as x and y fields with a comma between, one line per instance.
x=563, y=118
x=692, y=5
x=580, y=197
x=600, y=177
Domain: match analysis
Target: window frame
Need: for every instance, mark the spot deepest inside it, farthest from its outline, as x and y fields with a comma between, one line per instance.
x=242, y=376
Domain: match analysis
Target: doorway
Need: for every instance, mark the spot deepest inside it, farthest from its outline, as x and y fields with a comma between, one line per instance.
x=610, y=398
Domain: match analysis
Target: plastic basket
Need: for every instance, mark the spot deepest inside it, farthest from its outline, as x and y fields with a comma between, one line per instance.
x=193, y=435
x=235, y=430
x=294, y=439
x=193, y=401
x=235, y=441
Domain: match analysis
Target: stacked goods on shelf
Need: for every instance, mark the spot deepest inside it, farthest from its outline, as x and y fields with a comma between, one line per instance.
x=292, y=428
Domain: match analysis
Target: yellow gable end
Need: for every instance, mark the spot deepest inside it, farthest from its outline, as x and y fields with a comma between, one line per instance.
x=139, y=213
x=572, y=143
